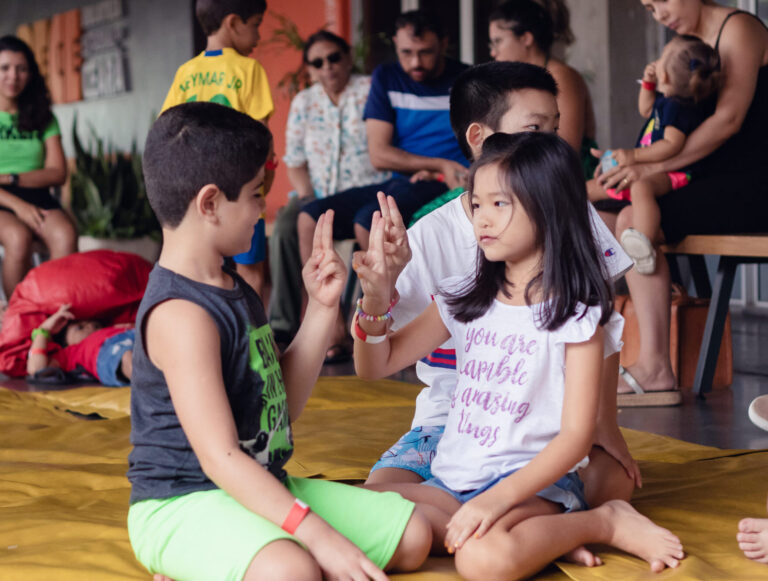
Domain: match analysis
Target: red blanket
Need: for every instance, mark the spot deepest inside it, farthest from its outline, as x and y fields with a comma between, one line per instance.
x=100, y=284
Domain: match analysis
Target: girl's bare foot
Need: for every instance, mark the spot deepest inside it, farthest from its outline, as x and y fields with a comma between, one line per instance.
x=753, y=539
x=582, y=556
x=632, y=532
x=159, y=577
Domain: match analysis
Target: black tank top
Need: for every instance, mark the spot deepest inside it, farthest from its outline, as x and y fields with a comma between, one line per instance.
x=162, y=463
x=747, y=149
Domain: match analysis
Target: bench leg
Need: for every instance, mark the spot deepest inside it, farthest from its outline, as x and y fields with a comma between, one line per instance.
x=700, y=276
x=713, y=331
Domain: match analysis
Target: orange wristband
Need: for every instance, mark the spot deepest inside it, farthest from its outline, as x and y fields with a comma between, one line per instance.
x=648, y=85
x=297, y=513
x=38, y=352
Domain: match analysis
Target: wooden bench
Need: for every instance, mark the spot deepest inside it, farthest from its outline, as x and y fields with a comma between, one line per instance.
x=731, y=250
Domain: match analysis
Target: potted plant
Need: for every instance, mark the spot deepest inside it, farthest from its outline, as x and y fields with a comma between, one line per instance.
x=109, y=199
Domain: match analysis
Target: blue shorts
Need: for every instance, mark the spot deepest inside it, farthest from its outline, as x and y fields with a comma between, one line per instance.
x=111, y=355
x=258, y=251
x=568, y=491
x=414, y=451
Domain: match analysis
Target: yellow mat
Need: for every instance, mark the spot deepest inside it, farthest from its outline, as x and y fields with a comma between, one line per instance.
x=64, y=495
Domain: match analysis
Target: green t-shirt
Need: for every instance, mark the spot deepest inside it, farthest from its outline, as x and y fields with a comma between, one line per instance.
x=22, y=151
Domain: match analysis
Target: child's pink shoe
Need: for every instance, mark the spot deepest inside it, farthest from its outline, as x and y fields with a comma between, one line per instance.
x=619, y=195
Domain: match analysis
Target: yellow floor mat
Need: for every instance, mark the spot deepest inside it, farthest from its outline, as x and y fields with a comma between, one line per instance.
x=64, y=495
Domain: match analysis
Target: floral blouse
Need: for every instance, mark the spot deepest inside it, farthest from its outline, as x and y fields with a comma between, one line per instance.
x=331, y=139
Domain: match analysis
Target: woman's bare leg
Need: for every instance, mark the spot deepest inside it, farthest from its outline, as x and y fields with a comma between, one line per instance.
x=16, y=239
x=651, y=299
x=59, y=234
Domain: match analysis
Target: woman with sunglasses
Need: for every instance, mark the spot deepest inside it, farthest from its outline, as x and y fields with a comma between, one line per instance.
x=524, y=30
x=326, y=152
x=31, y=162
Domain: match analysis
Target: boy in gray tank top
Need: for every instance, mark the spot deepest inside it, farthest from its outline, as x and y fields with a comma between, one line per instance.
x=211, y=399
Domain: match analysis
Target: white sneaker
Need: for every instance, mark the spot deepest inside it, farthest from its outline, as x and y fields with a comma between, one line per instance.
x=758, y=412
x=640, y=250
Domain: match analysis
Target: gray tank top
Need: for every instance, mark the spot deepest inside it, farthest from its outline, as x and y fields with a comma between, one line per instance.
x=162, y=463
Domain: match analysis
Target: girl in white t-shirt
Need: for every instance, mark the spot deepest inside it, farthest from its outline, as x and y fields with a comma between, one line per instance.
x=531, y=330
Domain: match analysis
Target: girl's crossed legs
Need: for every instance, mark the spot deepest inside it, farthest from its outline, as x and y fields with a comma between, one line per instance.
x=536, y=532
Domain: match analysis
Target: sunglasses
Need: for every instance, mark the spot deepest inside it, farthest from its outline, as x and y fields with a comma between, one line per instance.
x=332, y=59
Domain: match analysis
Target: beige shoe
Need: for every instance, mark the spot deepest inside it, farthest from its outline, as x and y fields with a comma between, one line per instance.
x=758, y=412
x=640, y=250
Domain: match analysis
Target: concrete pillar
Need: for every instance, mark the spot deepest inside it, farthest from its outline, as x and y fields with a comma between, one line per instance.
x=611, y=51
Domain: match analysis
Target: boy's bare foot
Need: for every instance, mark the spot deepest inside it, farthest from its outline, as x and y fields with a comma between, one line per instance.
x=159, y=577
x=582, y=556
x=636, y=534
x=753, y=539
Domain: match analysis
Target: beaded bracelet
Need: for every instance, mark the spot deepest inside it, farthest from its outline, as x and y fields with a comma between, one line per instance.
x=358, y=333
x=374, y=318
x=40, y=331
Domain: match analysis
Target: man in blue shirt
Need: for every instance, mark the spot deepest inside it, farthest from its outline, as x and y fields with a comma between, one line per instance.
x=409, y=133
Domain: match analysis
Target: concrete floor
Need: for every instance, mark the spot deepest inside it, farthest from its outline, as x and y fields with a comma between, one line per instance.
x=719, y=420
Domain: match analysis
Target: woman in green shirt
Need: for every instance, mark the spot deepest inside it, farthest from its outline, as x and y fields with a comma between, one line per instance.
x=31, y=161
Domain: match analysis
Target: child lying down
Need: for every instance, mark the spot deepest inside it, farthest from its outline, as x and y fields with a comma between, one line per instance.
x=103, y=352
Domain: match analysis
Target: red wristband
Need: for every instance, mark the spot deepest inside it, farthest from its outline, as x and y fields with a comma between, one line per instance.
x=648, y=85
x=38, y=352
x=297, y=513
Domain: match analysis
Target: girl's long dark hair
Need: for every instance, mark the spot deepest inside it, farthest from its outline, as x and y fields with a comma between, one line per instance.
x=543, y=174
x=34, y=102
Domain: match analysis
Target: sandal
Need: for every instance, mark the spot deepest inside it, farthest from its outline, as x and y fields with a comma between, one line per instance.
x=640, y=250
x=642, y=398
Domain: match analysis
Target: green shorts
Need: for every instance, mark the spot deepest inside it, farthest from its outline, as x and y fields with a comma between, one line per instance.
x=209, y=535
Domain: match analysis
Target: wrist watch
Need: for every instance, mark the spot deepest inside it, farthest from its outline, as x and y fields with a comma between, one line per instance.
x=13, y=179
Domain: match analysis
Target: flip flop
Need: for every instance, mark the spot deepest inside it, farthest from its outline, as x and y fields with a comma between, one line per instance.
x=639, y=248
x=758, y=411
x=642, y=398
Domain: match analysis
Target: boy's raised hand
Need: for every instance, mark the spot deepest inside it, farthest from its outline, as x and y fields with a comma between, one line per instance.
x=324, y=273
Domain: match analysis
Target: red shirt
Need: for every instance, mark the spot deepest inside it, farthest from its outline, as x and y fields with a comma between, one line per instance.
x=86, y=352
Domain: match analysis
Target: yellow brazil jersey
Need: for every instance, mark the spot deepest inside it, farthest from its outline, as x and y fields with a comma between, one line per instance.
x=224, y=77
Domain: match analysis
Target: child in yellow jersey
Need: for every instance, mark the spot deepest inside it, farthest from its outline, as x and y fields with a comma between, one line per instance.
x=225, y=74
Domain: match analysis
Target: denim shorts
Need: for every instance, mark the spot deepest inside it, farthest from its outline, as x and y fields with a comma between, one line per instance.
x=414, y=451
x=110, y=357
x=568, y=491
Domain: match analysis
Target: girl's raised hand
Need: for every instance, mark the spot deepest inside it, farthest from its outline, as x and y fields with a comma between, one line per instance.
x=474, y=518
x=324, y=273
x=396, y=249
x=371, y=267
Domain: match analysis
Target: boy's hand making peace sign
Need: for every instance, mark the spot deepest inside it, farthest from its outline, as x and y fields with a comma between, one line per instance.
x=324, y=273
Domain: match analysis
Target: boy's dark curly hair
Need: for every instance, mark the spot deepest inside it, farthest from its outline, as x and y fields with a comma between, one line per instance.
x=34, y=102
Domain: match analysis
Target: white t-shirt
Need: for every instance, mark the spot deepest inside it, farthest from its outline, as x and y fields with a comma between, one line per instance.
x=444, y=246
x=508, y=402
